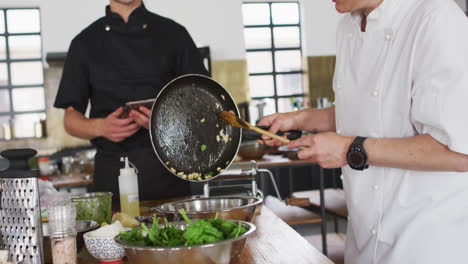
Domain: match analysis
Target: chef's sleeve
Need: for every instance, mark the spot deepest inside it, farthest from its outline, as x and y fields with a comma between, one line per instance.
x=188, y=59
x=74, y=89
x=440, y=80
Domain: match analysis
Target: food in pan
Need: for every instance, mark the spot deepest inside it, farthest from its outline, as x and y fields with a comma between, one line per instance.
x=203, y=147
x=222, y=136
x=202, y=120
x=201, y=232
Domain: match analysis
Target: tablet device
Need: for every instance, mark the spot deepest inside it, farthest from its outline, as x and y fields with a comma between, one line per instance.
x=135, y=105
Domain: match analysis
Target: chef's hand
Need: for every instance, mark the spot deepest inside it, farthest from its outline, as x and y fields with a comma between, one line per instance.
x=141, y=117
x=278, y=122
x=117, y=129
x=327, y=149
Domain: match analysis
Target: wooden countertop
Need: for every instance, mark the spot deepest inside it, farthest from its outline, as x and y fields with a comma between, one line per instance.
x=273, y=242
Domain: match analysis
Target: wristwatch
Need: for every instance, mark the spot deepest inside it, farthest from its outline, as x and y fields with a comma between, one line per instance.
x=357, y=157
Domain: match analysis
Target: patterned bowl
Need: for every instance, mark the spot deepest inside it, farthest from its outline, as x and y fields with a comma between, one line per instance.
x=104, y=249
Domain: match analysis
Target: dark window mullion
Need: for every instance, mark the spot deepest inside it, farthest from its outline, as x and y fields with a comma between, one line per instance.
x=22, y=86
x=21, y=60
x=275, y=25
x=277, y=73
x=20, y=34
x=278, y=96
x=274, y=49
x=29, y=112
x=7, y=50
x=273, y=58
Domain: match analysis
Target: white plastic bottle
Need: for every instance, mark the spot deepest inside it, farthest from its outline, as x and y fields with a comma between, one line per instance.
x=128, y=187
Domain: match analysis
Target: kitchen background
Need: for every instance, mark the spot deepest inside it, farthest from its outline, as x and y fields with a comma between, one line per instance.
x=303, y=57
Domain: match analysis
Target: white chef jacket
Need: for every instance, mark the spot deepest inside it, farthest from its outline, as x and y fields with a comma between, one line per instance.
x=406, y=75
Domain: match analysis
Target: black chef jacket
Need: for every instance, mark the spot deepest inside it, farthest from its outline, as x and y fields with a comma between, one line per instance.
x=112, y=62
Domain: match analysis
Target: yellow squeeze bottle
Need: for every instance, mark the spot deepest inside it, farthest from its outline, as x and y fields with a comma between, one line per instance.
x=128, y=187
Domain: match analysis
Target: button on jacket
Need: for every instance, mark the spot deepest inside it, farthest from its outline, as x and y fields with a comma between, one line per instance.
x=406, y=75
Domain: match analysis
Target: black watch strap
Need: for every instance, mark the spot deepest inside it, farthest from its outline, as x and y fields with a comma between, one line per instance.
x=358, y=142
x=358, y=147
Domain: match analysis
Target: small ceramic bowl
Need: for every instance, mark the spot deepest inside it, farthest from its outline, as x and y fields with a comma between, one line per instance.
x=104, y=249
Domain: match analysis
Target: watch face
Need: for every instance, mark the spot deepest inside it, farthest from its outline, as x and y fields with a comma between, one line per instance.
x=356, y=159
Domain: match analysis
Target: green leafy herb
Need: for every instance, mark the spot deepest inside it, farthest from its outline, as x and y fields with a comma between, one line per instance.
x=203, y=147
x=196, y=233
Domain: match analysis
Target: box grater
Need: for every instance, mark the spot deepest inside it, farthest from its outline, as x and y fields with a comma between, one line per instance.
x=20, y=213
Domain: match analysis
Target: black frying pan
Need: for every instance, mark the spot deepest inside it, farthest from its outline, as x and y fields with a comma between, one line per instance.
x=183, y=119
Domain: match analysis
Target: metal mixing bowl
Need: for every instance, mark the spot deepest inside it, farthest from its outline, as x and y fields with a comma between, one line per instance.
x=222, y=252
x=252, y=150
x=233, y=208
x=82, y=226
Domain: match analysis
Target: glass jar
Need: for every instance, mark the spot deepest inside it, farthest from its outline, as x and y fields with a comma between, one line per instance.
x=95, y=206
x=62, y=222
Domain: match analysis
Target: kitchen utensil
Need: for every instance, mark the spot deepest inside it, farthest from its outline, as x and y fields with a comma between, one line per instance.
x=186, y=135
x=235, y=208
x=222, y=252
x=82, y=226
x=20, y=222
x=254, y=135
x=105, y=249
x=96, y=206
x=252, y=150
x=232, y=119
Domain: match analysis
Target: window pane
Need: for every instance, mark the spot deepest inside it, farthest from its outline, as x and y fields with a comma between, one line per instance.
x=285, y=13
x=22, y=47
x=286, y=37
x=289, y=84
x=3, y=74
x=4, y=121
x=2, y=22
x=26, y=73
x=28, y=99
x=23, y=21
x=2, y=48
x=24, y=124
x=268, y=109
x=290, y=104
x=257, y=38
x=289, y=60
x=256, y=14
x=261, y=86
x=4, y=101
x=259, y=61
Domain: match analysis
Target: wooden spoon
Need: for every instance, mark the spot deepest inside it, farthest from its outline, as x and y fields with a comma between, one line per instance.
x=233, y=120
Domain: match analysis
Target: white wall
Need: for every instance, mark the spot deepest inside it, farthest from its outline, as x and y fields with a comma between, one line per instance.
x=210, y=22
x=217, y=23
x=462, y=4
x=320, y=20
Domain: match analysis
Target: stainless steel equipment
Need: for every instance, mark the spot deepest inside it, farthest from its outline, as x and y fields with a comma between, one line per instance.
x=222, y=252
x=239, y=179
x=232, y=208
x=20, y=213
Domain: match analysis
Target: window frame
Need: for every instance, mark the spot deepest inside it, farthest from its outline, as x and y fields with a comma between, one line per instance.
x=8, y=61
x=274, y=49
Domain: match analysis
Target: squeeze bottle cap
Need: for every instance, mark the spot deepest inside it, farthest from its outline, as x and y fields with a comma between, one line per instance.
x=127, y=170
